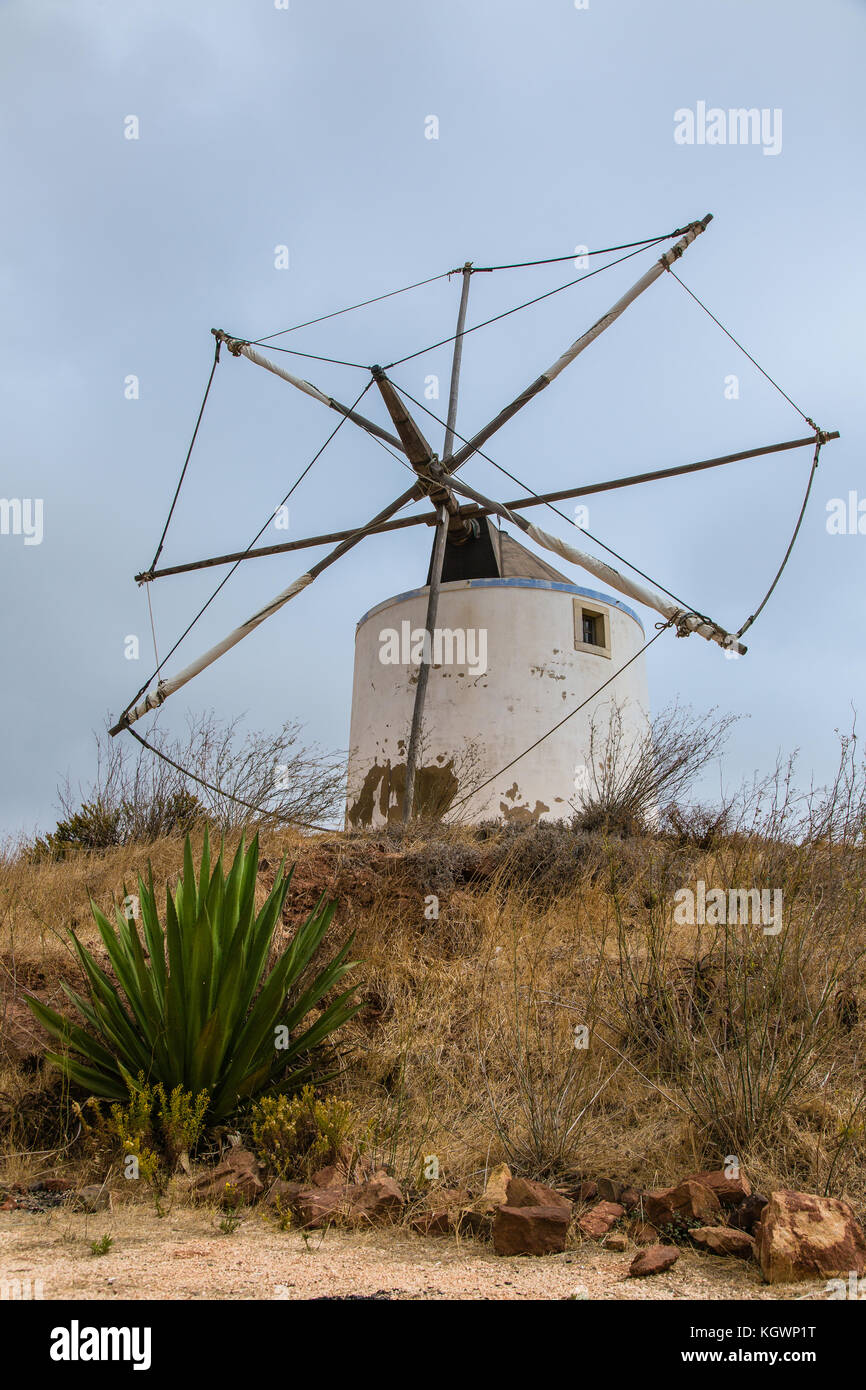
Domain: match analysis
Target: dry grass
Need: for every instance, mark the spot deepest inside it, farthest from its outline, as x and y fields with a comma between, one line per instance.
x=703, y=1041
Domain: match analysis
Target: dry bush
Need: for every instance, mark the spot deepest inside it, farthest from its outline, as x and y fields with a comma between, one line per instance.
x=630, y=777
x=137, y=797
x=537, y=1030
x=755, y=1024
x=36, y=1114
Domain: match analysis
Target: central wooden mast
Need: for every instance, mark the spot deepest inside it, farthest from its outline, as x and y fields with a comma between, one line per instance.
x=451, y=523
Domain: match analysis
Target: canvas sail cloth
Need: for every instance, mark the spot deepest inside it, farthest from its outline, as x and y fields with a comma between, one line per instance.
x=683, y=619
x=166, y=688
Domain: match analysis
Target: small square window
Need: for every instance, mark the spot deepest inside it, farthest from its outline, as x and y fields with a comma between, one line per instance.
x=591, y=629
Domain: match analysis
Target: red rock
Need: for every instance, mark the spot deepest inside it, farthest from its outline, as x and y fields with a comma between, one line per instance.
x=688, y=1200
x=283, y=1192
x=523, y=1192
x=629, y=1197
x=332, y=1176
x=747, y=1215
x=322, y=1206
x=446, y=1214
x=654, y=1260
x=805, y=1237
x=645, y=1234
x=730, y=1191
x=496, y=1190
x=617, y=1241
x=233, y=1182
x=433, y=1223
x=723, y=1240
x=378, y=1199
x=586, y=1192
x=598, y=1220
x=530, y=1230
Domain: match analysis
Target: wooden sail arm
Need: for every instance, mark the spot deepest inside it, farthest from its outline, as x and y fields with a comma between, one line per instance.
x=422, y=458
x=474, y=510
x=412, y=440
x=239, y=347
x=167, y=687
x=454, y=391
x=580, y=344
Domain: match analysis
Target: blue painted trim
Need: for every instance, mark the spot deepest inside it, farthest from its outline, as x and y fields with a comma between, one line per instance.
x=516, y=583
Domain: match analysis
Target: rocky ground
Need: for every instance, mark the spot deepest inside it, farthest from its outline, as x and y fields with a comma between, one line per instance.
x=232, y=1233
x=184, y=1255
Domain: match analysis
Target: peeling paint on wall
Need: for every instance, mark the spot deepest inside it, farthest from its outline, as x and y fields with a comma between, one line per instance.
x=435, y=789
x=521, y=815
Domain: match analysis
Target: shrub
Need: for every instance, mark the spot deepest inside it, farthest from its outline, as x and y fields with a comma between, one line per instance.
x=296, y=1135
x=544, y=1084
x=181, y=1118
x=629, y=773
x=201, y=1010
x=99, y=824
x=159, y=1124
x=135, y=797
x=94, y=826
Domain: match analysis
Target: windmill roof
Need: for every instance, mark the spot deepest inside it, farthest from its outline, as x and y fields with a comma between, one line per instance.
x=494, y=554
x=516, y=562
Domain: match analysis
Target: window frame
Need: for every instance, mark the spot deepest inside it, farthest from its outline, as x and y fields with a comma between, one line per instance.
x=584, y=609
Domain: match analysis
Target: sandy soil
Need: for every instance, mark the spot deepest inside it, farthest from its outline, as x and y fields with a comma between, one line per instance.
x=184, y=1256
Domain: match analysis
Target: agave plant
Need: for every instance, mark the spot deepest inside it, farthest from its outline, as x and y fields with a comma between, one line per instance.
x=201, y=1009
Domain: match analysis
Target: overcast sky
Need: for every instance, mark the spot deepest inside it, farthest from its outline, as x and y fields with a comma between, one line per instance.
x=307, y=128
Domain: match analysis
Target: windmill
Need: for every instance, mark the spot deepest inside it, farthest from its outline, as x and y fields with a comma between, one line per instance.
x=472, y=566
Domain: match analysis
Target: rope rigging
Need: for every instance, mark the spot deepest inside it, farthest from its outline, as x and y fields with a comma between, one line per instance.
x=812, y=471
x=228, y=576
x=211, y=787
x=739, y=345
x=158, y=552
x=432, y=479
x=443, y=342
x=477, y=269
